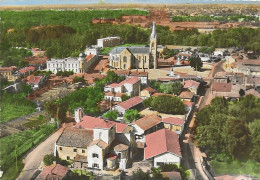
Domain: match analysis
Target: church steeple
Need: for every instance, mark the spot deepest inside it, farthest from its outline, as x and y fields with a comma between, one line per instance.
x=153, y=45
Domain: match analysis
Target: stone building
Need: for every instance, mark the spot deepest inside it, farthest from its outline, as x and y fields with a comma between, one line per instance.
x=108, y=41
x=136, y=57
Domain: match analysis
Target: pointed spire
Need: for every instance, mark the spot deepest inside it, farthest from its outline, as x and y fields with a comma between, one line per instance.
x=153, y=30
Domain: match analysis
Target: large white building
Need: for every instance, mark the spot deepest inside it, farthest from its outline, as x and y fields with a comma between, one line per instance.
x=77, y=65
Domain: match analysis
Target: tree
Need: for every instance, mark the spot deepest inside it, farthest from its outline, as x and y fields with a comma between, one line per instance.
x=125, y=97
x=131, y=115
x=48, y=159
x=78, y=79
x=254, y=128
x=196, y=63
x=168, y=104
x=238, y=138
x=170, y=88
x=148, y=102
x=140, y=175
x=241, y=92
x=112, y=115
x=26, y=89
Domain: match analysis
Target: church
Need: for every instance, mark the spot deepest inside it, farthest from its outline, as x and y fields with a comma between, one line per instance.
x=136, y=57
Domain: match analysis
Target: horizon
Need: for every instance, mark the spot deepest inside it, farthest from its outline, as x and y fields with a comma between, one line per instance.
x=96, y=2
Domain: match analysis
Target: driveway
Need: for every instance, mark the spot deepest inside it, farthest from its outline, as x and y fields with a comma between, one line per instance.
x=33, y=160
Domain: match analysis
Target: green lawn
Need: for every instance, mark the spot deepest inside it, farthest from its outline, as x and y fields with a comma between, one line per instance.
x=20, y=143
x=106, y=50
x=14, y=106
x=236, y=167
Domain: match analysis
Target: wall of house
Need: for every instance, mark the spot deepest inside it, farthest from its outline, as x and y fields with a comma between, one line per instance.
x=95, y=160
x=166, y=158
x=119, y=109
x=108, y=89
x=69, y=151
x=145, y=94
x=107, y=135
x=193, y=89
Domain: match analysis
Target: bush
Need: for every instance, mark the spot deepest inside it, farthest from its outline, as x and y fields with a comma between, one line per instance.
x=78, y=79
x=168, y=104
x=112, y=115
x=131, y=115
x=48, y=159
x=125, y=97
x=148, y=102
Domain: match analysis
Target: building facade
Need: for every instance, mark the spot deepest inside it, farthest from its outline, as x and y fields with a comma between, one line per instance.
x=109, y=41
x=136, y=57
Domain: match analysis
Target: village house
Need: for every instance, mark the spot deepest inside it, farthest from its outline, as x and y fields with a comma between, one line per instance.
x=227, y=90
x=146, y=125
x=54, y=171
x=132, y=103
x=36, y=81
x=162, y=147
x=247, y=66
x=143, y=75
x=9, y=73
x=191, y=85
x=187, y=95
x=147, y=92
x=174, y=124
x=135, y=57
x=130, y=87
x=26, y=71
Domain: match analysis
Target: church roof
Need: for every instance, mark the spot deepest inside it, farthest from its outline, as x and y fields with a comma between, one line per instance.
x=132, y=49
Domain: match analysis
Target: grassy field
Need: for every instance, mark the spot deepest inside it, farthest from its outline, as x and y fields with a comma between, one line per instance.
x=20, y=143
x=106, y=50
x=14, y=106
x=237, y=167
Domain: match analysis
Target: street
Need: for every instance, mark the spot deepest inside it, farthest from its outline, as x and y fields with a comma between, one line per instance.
x=33, y=160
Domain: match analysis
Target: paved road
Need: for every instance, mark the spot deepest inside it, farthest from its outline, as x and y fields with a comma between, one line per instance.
x=34, y=158
x=218, y=68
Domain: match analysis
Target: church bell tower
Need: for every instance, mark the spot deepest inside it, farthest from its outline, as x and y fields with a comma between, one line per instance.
x=153, y=45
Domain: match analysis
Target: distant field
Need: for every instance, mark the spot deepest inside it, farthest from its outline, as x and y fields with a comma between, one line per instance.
x=237, y=167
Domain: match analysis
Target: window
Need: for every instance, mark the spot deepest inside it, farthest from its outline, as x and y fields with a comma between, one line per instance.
x=75, y=150
x=95, y=165
x=83, y=151
x=60, y=148
x=124, y=59
x=68, y=158
x=95, y=155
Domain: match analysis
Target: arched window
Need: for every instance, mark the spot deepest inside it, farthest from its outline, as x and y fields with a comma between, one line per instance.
x=124, y=59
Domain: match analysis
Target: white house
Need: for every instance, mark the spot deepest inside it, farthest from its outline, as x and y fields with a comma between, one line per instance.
x=174, y=124
x=130, y=87
x=109, y=41
x=162, y=147
x=146, y=125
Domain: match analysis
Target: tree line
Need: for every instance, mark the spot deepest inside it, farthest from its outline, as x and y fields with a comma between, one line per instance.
x=230, y=130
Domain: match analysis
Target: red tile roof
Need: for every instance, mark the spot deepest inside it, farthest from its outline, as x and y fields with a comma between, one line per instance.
x=55, y=171
x=160, y=142
x=188, y=103
x=89, y=122
x=89, y=57
x=221, y=87
x=131, y=80
x=189, y=83
x=253, y=92
x=100, y=143
x=27, y=69
x=131, y=102
x=149, y=89
x=173, y=120
x=161, y=94
x=34, y=79
x=138, y=73
x=186, y=95
x=148, y=121
x=8, y=68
